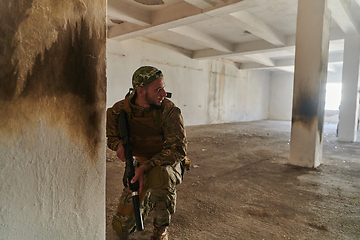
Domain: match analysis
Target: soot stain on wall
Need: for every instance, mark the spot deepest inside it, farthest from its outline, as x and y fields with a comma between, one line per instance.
x=69, y=67
x=68, y=78
x=12, y=13
x=306, y=108
x=306, y=113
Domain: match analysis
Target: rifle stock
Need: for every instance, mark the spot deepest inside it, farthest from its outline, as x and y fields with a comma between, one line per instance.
x=130, y=169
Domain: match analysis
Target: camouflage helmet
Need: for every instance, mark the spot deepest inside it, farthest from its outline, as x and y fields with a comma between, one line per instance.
x=144, y=76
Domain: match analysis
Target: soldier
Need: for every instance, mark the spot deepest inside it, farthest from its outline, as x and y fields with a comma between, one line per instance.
x=158, y=134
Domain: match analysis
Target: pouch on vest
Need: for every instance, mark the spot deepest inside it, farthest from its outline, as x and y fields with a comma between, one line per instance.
x=157, y=177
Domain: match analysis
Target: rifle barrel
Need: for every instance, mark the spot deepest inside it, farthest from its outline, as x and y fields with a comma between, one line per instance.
x=130, y=169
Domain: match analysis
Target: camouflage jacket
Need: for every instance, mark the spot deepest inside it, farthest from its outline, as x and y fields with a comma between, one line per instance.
x=171, y=124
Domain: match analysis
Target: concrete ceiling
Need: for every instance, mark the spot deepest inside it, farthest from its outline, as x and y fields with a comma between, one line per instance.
x=254, y=34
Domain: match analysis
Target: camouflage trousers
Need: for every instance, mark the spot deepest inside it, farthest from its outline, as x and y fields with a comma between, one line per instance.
x=158, y=196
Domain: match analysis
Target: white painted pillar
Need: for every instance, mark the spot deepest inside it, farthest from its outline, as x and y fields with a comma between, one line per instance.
x=311, y=57
x=52, y=120
x=349, y=96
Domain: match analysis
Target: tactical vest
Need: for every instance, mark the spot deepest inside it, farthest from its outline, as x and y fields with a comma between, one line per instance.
x=146, y=129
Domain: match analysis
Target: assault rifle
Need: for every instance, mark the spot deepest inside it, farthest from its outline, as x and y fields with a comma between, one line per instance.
x=129, y=168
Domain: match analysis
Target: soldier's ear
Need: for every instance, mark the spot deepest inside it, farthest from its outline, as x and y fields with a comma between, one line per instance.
x=140, y=91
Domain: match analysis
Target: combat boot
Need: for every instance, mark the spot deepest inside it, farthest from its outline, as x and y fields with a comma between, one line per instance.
x=160, y=233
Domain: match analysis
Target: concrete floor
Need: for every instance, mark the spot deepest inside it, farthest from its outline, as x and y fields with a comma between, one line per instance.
x=241, y=187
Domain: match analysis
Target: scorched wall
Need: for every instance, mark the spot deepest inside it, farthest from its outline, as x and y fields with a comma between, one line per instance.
x=52, y=118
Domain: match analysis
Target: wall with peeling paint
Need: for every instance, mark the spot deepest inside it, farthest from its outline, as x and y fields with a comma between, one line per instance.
x=52, y=105
x=207, y=91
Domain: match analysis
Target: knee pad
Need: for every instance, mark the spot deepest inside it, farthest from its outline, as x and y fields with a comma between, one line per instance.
x=123, y=225
x=118, y=225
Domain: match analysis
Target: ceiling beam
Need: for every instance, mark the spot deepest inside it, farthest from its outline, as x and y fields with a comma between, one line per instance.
x=175, y=13
x=202, y=4
x=125, y=12
x=240, y=49
x=229, y=6
x=185, y=52
x=125, y=27
x=260, y=58
x=259, y=46
x=163, y=19
x=173, y=16
x=205, y=4
x=290, y=69
x=288, y=63
x=249, y=22
x=341, y=13
x=204, y=39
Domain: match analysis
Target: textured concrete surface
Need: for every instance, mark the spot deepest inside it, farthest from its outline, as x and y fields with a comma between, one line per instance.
x=52, y=105
x=241, y=187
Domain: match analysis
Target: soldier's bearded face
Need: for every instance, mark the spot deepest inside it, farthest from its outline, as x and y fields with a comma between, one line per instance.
x=155, y=93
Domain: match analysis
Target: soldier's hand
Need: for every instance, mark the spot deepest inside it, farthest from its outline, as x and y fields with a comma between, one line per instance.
x=139, y=176
x=120, y=153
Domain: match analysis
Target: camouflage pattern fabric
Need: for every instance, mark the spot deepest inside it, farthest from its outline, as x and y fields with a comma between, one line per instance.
x=159, y=233
x=161, y=200
x=124, y=221
x=175, y=143
x=144, y=76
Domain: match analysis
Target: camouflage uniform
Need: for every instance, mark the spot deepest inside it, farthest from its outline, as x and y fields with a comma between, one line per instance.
x=162, y=154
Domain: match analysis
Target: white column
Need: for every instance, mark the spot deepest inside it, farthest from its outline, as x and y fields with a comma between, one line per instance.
x=349, y=94
x=311, y=57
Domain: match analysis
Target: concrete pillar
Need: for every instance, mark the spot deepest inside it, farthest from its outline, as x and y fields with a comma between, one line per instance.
x=52, y=119
x=311, y=57
x=350, y=95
